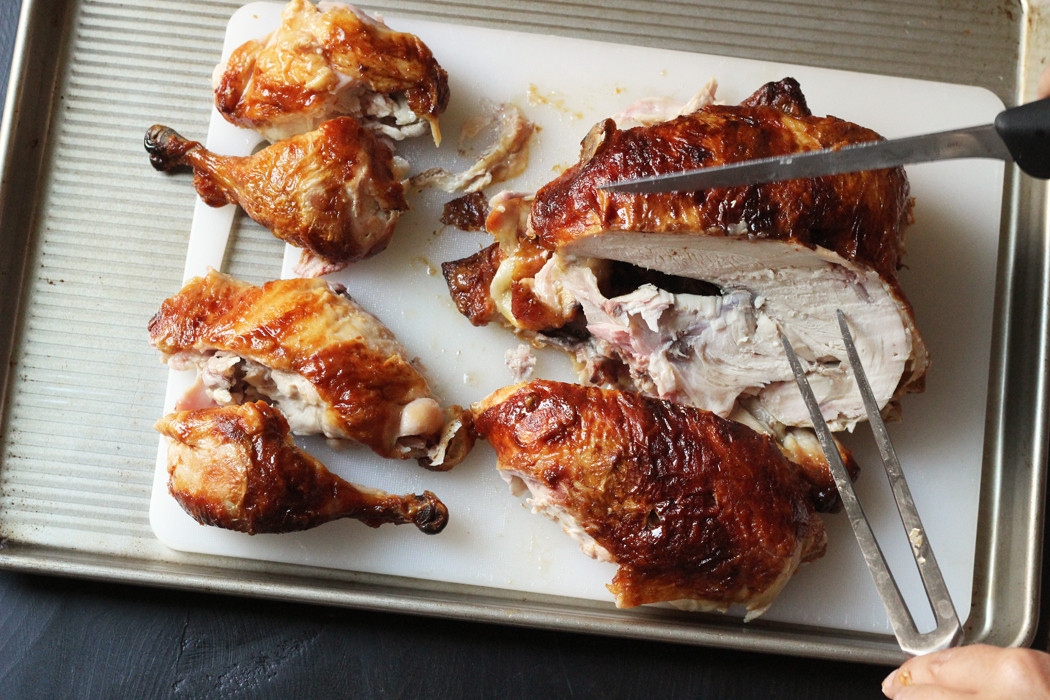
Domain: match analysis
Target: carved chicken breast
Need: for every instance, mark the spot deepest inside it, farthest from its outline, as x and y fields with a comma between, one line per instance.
x=682, y=295
x=328, y=61
x=332, y=192
x=237, y=468
x=694, y=509
x=331, y=367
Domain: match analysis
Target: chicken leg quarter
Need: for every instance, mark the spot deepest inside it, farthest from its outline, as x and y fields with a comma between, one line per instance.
x=237, y=468
x=332, y=192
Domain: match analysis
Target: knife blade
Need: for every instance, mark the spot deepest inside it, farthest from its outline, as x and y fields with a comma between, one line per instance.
x=1020, y=134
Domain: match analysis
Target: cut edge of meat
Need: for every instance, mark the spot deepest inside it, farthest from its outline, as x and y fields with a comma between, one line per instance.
x=810, y=280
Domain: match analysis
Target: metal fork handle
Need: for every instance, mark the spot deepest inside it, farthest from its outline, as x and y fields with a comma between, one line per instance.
x=948, y=631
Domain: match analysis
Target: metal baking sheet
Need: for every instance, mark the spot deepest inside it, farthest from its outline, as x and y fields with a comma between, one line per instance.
x=491, y=540
x=94, y=242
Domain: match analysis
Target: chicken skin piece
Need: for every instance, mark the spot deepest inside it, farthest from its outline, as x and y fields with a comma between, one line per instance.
x=328, y=61
x=331, y=367
x=237, y=468
x=332, y=192
x=682, y=295
x=692, y=507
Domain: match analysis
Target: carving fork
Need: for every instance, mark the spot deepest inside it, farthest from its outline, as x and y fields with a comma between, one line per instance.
x=948, y=632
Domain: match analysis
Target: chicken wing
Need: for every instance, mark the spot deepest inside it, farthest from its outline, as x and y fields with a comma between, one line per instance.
x=332, y=192
x=237, y=468
x=692, y=507
x=331, y=367
x=328, y=61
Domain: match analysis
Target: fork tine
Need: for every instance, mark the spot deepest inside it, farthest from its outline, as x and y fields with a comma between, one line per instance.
x=911, y=641
x=932, y=580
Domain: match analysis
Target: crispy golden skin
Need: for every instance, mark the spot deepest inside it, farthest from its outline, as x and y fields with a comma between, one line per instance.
x=331, y=192
x=469, y=280
x=292, y=79
x=467, y=213
x=690, y=505
x=860, y=216
x=237, y=468
x=354, y=362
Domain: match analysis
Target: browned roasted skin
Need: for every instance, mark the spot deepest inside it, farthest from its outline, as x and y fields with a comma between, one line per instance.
x=469, y=280
x=786, y=95
x=467, y=213
x=813, y=468
x=354, y=362
x=238, y=468
x=690, y=505
x=297, y=77
x=860, y=215
x=331, y=192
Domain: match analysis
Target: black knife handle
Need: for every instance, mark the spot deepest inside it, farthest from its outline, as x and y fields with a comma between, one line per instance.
x=1026, y=132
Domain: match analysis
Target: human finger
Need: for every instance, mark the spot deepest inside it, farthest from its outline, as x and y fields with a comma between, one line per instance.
x=1043, y=87
x=960, y=668
x=989, y=672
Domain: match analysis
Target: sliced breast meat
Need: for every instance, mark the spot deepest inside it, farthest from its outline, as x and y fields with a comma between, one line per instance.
x=237, y=467
x=695, y=509
x=331, y=367
x=777, y=257
x=327, y=61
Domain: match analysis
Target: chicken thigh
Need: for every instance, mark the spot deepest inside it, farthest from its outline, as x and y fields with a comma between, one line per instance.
x=332, y=192
x=237, y=468
x=694, y=509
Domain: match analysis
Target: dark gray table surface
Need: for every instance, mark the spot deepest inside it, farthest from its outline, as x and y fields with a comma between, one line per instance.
x=76, y=639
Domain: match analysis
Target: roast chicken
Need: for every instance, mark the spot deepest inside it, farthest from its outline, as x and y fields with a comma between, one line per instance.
x=682, y=295
x=695, y=509
x=328, y=61
x=334, y=192
x=306, y=347
x=237, y=467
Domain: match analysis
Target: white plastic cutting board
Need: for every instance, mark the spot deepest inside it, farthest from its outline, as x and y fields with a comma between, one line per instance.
x=565, y=86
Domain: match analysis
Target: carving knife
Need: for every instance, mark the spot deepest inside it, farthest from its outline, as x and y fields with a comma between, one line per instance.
x=1020, y=135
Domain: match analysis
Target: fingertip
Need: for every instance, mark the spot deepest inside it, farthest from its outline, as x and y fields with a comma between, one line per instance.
x=895, y=681
x=1043, y=87
x=887, y=683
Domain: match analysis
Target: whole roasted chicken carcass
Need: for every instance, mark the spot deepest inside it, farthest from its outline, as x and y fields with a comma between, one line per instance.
x=333, y=192
x=237, y=467
x=302, y=345
x=328, y=61
x=695, y=509
x=682, y=295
